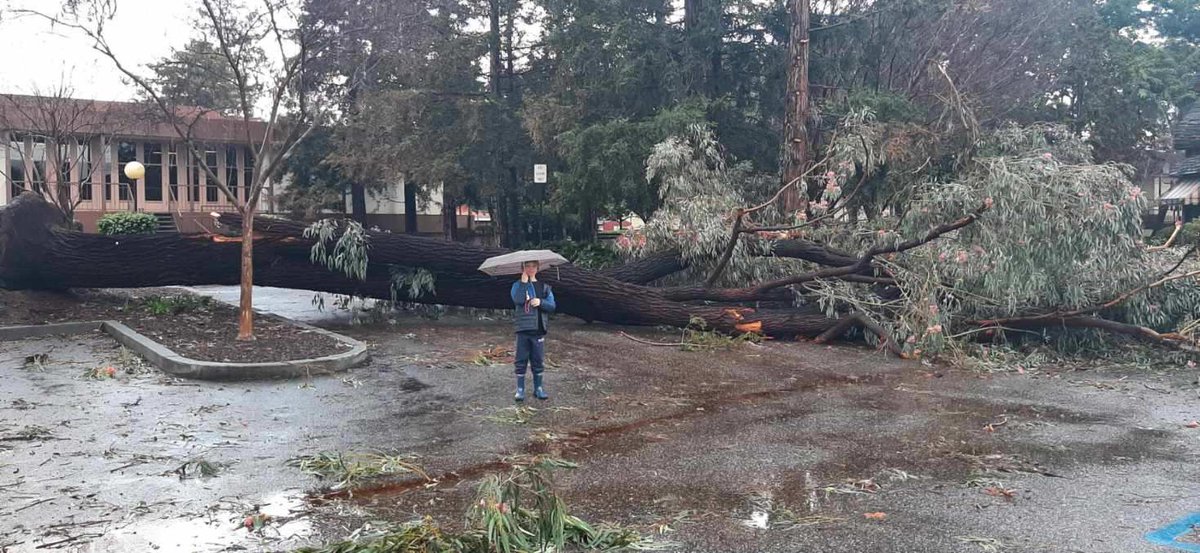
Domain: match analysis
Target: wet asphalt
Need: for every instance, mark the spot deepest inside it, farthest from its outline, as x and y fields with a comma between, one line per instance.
x=705, y=447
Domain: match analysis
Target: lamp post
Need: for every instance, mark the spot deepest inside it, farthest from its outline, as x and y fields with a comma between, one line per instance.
x=134, y=171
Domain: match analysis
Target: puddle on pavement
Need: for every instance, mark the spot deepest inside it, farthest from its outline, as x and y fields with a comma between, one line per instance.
x=218, y=529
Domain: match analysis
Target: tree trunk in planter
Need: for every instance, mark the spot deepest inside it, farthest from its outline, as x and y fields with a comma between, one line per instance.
x=246, y=279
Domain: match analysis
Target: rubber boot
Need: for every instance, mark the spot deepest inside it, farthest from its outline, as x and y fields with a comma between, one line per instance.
x=538, y=391
x=520, y=395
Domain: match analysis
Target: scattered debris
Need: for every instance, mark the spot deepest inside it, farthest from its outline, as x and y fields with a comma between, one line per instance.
x=1000, y=491
x=100, y=373
x=988, y=545
x=31, y=432
x=999, y=462
x=497, y=355
x=36, y=361
x=255, y=522
x=347, y=470
x=898, y=475
x=513, y=415
x=698, y=337
x=992, y=426
x=670, y=524
x=852, y=487
x=22, y=405
x=983, y=482
x=197, y=468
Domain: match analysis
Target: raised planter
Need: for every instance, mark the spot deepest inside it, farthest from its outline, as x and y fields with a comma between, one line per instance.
x=177, y=365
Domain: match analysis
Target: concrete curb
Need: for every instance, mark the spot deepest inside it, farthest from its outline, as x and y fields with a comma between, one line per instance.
x=12, y=333
x=177, y=365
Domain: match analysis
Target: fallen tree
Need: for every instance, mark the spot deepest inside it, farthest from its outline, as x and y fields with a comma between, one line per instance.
x=36, y=253
x=970, y=259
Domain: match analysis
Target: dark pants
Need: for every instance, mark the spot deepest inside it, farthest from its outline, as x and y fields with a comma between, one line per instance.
x=531, y=352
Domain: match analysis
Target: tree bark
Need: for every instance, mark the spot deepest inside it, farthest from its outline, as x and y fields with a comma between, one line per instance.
x=795, y=134
x=410, y=207
x=358, y=202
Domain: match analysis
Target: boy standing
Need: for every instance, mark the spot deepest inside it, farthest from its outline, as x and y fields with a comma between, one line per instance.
x=533, y=301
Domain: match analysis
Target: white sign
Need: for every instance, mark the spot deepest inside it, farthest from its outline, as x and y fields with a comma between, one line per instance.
x=539, y=173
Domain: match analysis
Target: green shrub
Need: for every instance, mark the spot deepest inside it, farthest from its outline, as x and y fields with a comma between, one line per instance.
x=1188, y=236
x=127, y=223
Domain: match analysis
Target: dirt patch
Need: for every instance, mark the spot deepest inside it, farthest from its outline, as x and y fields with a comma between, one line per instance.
x=193, y=326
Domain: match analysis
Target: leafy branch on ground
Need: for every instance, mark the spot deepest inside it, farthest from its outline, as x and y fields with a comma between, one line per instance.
x=347, y=470
x=520, y=512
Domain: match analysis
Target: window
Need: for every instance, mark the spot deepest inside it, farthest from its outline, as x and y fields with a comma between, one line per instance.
x=85, y=171
x=63, y=178
x=211, y=192
x=194, y=182
x=126, y=152
x=173, y=171
x=248, y=174
x=16, y=164
x=38, y=156
x=106, y=169
x=231, y=169
x=154, y=172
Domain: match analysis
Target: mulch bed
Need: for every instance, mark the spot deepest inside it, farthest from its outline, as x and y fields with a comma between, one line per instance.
x=193, y=326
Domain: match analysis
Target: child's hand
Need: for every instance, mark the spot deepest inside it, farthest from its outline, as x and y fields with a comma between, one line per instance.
x=535, y=302
x=524, y=278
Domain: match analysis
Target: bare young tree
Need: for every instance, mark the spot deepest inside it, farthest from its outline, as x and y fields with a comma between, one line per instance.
x=66, y=138
x=242, y=32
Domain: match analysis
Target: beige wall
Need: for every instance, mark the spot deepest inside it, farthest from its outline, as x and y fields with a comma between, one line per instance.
x=389, y=200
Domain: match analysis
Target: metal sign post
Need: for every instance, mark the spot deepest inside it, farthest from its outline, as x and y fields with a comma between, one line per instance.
x=539, y=177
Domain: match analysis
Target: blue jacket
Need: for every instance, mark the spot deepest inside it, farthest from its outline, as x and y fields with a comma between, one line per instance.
x=529, y=318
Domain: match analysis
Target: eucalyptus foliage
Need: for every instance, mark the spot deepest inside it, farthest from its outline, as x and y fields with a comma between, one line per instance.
x=347, y=254
x=1058, y=232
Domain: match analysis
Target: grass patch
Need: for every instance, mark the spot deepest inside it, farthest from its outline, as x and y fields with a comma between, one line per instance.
x=174, y=305
x=515, y=513
x=346, y=470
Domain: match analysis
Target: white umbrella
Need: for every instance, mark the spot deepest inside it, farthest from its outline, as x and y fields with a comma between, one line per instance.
x=511, y=263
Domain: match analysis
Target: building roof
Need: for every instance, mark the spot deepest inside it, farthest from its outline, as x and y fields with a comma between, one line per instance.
x=1187, y=132
x=122, y=119
x=1188, y=168
x=1184, y=192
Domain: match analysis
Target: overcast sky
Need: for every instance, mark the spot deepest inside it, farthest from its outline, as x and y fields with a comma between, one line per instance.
x=38, y=56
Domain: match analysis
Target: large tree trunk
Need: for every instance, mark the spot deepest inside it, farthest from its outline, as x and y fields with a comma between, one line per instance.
x=410, y=207
x=795, y=133
x=34, y=254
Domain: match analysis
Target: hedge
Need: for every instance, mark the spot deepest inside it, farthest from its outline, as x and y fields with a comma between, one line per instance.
x=127, y=223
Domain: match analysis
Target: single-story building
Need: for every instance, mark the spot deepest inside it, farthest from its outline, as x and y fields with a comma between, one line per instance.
x=74, y=151
x=1183, y=199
